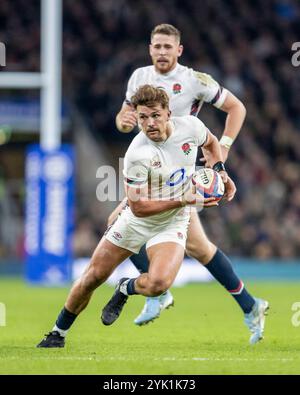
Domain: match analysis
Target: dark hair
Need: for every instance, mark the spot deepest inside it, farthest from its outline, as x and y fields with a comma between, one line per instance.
x=148, y=95
x=166, y=29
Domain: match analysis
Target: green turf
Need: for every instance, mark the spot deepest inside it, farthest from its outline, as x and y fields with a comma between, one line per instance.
x=203, y=334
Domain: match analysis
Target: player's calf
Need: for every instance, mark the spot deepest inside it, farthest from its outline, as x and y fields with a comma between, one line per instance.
x=154, y=287
x=196, y=250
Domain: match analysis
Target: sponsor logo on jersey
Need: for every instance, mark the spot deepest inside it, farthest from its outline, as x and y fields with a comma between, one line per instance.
x=177, y=177
x=155, y=162
x=177, y=89
x=186, y=148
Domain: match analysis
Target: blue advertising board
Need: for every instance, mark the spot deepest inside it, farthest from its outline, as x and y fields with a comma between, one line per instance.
x=49, y=213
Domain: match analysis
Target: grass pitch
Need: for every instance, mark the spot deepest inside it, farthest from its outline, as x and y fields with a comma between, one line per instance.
x=203, y=334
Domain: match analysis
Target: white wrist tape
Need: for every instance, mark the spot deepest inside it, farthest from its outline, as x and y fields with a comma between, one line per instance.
x=226, y=141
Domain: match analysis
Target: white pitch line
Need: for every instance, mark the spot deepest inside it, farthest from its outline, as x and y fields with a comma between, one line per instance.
x=225, y=359
x=126, y=359
x=54, y=358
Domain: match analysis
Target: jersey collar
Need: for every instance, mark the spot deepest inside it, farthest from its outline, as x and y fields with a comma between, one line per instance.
x=167, y=75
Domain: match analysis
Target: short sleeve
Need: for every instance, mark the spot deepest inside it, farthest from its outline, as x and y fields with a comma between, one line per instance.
x=208, y=89
x=199, y=130
x=135, y=170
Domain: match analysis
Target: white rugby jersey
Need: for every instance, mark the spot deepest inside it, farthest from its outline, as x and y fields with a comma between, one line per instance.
x=165, y=166
x=186, y=88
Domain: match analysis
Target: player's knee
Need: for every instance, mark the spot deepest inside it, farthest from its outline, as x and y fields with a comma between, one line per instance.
x=202, y=252
x=158, y=286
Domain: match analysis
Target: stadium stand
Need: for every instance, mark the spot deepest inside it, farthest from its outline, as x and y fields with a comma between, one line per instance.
x=245, y=45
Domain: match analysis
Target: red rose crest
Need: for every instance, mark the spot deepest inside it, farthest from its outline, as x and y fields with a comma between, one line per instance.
x=176, y=89
x=186, y=148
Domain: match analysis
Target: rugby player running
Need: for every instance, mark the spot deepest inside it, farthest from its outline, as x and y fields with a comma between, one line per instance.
x=158, y=210
x=187, y=90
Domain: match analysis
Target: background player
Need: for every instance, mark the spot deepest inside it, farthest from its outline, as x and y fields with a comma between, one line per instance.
x=188, y=90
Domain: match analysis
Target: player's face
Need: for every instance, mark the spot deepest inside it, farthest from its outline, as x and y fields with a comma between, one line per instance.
x=165, y=51
x=154, y=122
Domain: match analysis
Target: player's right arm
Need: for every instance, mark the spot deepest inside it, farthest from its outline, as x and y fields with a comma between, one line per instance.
x=137, y=189
x=142, y=206
x=126, y=119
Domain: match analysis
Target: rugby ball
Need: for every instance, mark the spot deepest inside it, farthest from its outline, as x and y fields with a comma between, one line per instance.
x=208, y=183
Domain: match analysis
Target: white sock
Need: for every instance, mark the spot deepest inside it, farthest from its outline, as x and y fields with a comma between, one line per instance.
x=62, y=332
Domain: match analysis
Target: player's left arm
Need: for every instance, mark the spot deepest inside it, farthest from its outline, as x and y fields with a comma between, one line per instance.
x=213, y=147
x=236, y=113
x=210, y=91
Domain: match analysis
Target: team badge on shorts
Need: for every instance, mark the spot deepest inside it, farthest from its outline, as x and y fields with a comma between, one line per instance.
x=176, y=89
x=186, y=148
x=180, y=235
x=117, y=236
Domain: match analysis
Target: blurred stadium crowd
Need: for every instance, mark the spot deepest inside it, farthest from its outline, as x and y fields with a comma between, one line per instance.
x=246, y=46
